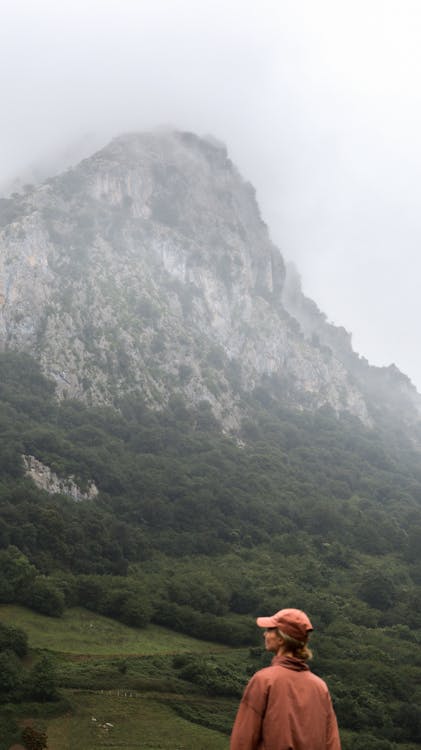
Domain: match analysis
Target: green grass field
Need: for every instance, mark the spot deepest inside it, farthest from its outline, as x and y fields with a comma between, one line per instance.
x=79, y=631
x=148, y=708
x=140, y=723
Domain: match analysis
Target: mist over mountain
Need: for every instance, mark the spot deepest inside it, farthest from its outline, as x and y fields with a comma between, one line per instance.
x=147, y=268
x=49, y=164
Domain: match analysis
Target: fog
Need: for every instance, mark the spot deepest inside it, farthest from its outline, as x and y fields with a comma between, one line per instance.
x=318, y=102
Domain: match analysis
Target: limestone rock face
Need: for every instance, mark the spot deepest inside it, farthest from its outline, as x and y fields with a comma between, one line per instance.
x=47, y=480
x=148, y=268
x=387, y=390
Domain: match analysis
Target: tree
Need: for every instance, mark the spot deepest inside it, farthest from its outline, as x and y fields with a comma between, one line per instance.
x=13, y=639
x=41, y=684
x=378, y=590
x=44, y=597
x=11, y=676
x=408, y=718
x=16, y=575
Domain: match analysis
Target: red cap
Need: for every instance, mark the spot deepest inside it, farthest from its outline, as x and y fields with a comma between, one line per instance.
x=292, y=622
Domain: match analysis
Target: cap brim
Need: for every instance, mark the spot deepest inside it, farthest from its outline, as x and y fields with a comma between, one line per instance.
x=266, y=622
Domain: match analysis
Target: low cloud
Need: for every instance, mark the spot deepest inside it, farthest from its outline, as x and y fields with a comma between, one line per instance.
x=319, y=105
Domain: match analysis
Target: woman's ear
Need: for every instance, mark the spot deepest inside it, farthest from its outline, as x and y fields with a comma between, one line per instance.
x=280, y=639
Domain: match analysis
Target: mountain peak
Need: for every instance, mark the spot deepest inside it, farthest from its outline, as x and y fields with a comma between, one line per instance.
x=148, y=268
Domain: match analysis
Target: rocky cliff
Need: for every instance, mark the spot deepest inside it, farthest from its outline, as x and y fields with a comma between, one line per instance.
x=49, y=481
x=148, y=268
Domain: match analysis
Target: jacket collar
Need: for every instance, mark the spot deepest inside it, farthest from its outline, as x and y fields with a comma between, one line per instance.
x=290, y=662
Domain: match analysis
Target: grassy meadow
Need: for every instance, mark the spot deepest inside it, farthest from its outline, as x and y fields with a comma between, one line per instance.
x=79, y=631
x=111, y=674
x=138, y=722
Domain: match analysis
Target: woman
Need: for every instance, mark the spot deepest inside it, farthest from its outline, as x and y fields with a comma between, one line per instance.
x=285, y=706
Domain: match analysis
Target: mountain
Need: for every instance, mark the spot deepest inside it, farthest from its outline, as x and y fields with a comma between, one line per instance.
x=147, y=268
x=217, y=450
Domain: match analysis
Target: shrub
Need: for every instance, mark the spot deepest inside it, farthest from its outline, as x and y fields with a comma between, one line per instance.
x=45, y=597
x=41, y=685
x=11, y=677
x=13, y=639
x=33, y=739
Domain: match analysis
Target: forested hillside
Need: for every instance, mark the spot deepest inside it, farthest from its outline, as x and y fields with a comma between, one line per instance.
x=200, y=533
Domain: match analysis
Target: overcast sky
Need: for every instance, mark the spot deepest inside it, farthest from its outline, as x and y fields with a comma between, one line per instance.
x=318, y=102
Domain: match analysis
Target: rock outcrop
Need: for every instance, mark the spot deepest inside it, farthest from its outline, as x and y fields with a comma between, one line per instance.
x=48, y=480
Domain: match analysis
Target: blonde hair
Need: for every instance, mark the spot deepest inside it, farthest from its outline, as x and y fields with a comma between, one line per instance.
x=297, y=648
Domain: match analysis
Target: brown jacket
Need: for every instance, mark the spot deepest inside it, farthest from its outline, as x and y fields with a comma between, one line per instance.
x=285, y=707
